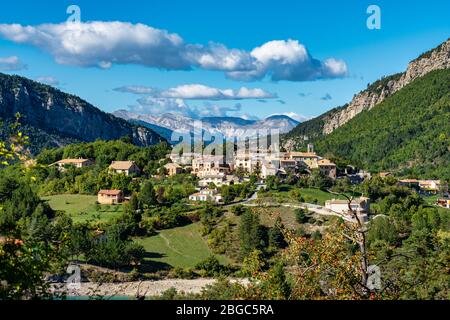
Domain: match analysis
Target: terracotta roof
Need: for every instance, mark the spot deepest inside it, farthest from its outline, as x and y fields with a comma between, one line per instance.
x=212, y=176
x=325, y=162
x=172, y=165
x=430, y=181
x=303, y=154
x=409, y=181
x=110, y=192
x=354, y=201
x=209, y=159
x=121, y=165
x=71, y=161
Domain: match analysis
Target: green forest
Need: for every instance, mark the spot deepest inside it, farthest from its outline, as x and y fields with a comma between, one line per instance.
x=408, y=133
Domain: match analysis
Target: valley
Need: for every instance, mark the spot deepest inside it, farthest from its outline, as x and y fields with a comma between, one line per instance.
x=111, y=197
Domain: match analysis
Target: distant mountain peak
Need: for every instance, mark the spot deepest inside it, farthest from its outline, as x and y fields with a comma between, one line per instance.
x=228, y=126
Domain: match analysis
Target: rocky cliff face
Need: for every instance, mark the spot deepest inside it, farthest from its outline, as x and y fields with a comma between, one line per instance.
x=64, y=116
x=436, y=59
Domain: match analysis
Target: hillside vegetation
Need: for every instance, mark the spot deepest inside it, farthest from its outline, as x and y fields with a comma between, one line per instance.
x=408, y=132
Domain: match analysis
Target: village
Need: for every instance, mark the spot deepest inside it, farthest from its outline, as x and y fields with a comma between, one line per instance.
x=212, y=172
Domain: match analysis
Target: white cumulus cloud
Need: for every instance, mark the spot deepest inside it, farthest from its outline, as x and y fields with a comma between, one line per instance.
x=202, y=92
x=104, y=44
x=289, y=60
x=293, y=115
x=12, y=63
x=137, y=89
x=199, y=92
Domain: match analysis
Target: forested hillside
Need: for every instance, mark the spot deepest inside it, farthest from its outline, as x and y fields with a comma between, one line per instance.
x=408, y=132
x=375, y=93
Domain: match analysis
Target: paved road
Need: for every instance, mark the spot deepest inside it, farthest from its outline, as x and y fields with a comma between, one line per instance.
x=309, y=206
x=254, y=196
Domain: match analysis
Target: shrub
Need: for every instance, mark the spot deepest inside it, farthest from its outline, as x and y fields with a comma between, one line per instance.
x=211, y=267
x=301, y=216
x=238, y=210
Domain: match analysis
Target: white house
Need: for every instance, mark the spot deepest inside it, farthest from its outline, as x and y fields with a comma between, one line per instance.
x=78, y=163
x=245, y=163
x=206, y=195
x=209, y=165
x=218, y=180
x=430, y=186
x=268, y=169
x=361, y=206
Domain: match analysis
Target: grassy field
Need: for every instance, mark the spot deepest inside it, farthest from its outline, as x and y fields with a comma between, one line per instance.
x=82, y=207
x=311, y=195
x=178, y=247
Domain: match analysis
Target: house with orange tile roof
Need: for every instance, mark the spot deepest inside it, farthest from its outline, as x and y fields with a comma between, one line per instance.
x=110, y=197
x=126, y=167
x=327, y=168
x=77, y=163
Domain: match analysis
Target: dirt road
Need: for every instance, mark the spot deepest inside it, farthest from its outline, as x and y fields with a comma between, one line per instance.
x=144, y=288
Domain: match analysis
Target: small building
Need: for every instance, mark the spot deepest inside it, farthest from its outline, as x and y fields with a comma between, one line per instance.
x=327, y=168
x=126, y=167
x=361, y=206
x=302, y=156
x=409, y=183
x=430, y=186
x=209, y=165
x=217, y=180
x=288, y=164
x=268, y=169
x=77, y=163
x=110, y=197
x=245, y=163
x=173, y=169
x=205, y=195
x=183, y=158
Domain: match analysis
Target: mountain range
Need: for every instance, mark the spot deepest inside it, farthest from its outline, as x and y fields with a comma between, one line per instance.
x=53, y=118
x=399, y=123
x=229, y=127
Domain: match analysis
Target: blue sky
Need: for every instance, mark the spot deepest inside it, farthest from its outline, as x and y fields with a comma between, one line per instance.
x=327, y=29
